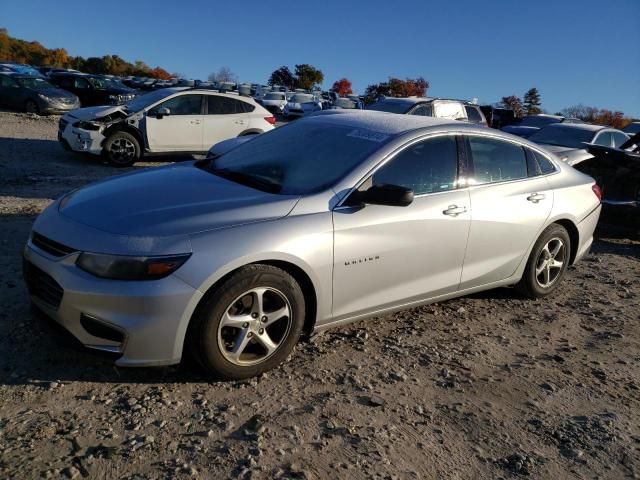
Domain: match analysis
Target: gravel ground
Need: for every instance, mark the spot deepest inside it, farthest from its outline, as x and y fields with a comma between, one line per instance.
x=488, y=386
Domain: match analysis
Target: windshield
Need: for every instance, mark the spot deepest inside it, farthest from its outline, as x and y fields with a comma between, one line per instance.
x=301, y=98
x=25, y=69
x=274, y=96
x=391, y=106
x=632, y=128
x=299, y=158
x=143, y=101
x=99, y=83
x=34, y=83
x=537, y=121
x=564, y=136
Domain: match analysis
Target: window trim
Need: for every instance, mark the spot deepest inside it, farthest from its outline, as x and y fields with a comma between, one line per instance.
x=465, y=137
x=151, y=110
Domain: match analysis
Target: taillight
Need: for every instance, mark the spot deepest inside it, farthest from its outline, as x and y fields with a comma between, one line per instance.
x=597, y=191
x=271, y=120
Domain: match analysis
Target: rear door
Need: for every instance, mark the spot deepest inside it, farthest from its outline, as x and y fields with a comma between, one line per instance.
x=224, y=118
x=10, y=92
x=181, y=129
x=510, y=203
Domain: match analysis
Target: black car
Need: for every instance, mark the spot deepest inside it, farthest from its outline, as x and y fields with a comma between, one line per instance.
x=530, y=124
x=34, y=94
x=93, y=89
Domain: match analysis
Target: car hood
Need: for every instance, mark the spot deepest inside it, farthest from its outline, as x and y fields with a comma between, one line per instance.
x=93, y=113
x=169, y=201
x=572, y=156
x=56, y=93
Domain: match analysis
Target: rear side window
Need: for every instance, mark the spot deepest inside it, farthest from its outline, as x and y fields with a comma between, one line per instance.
x=496, y=160
x=426, y=167
x=618, y=139
x=218, y=105
x=64, y=82
x=537, y=164
x=6, y=81
x=473, y=114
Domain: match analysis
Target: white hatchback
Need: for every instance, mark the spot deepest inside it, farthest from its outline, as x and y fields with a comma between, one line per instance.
x=167, y=121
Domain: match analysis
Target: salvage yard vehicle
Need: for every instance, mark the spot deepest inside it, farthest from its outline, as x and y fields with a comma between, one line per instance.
x=324, y=221
x=93, y=89
x=165, y=121
x=422, y=106
x=474, y=114
x=34, y=95
x=617, y=171
x=301, y=104
x=632, y=128
x=569, y=140
x=530, y=124
x=274, y=102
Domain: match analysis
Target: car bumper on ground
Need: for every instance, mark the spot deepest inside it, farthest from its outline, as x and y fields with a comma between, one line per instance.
x=79, y=140
x=142, y=323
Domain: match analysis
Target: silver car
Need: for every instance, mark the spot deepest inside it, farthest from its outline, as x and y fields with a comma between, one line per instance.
x=315, y=224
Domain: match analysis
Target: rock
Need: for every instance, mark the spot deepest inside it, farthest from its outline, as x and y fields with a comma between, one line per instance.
x=71, y=472
x=376, y=401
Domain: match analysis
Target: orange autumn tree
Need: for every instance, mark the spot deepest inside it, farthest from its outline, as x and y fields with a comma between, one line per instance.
x=342, y=87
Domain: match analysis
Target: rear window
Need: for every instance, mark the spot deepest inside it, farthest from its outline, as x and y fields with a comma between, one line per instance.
x=391, y=106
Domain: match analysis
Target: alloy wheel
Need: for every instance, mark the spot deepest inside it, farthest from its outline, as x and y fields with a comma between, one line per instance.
x=550, y=262
x=254, y=326
x=122, y=150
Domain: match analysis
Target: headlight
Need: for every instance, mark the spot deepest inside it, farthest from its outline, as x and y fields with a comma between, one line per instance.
x=86, y=125
x=44, y=97
x=120, y=267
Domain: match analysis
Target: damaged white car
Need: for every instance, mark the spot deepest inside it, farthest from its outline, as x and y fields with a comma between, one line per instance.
x=167, y=121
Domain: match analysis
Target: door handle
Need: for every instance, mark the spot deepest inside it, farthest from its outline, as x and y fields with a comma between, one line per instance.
x=454, y=210
x=536, y=197
x=195, y=122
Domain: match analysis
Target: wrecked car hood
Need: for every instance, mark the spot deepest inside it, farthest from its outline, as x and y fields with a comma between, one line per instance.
x=169, y=201
x=96, y=113
x=572, y=156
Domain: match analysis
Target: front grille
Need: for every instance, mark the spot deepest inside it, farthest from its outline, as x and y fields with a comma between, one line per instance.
x=51, y=247
x=42, y=285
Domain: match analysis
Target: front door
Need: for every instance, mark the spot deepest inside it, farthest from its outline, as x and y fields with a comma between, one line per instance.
x=178, y=131
x=385, y=256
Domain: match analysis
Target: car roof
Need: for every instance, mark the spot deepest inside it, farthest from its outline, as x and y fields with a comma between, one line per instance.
x=382, y=122
x=579, y=126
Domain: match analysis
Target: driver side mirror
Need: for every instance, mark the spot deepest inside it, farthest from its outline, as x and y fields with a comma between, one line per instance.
x=389, y=195
x=161, y=112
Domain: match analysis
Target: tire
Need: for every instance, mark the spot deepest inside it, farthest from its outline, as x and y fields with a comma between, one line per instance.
x=121, y=149
x=541, y=276
x=227, y=337
x=30, y=106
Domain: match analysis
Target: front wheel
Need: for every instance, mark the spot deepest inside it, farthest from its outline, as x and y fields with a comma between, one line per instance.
x=121, y=149
x=30, y=106
x=547, y=263
x=250, y=324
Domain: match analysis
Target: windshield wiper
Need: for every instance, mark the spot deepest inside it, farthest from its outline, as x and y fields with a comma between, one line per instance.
x=247, y=179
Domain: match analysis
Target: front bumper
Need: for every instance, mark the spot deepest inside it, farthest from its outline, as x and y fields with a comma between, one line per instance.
x=57, y=108
x=151, y=316
x=80, y=140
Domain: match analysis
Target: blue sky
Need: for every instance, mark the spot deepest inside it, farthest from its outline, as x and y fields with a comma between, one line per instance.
x=573, y=51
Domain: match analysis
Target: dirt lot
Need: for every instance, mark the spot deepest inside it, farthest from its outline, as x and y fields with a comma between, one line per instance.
x=487, y=386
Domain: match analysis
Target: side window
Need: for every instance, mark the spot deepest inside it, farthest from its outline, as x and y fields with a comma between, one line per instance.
x=618, y=139
x=6, y=81
x=65, y=82
x=473, y=114
x=496, y=160
x=538, y=164
x=182, y=105
x=81, y=83
x=426, y=167
x=218, y=105
x=603, y=139
x=423, y=110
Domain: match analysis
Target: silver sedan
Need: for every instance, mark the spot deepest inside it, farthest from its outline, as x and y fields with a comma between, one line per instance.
x=321, y=222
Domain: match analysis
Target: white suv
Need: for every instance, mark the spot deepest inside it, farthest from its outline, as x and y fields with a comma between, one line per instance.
x=166, y=121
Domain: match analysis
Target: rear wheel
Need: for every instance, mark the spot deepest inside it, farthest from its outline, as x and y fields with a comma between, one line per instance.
x=547, y=263
x=30, y=106
x=121, y=149
x=250, y=324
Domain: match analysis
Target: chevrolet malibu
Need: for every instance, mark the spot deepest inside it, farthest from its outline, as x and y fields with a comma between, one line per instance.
x=315, y=224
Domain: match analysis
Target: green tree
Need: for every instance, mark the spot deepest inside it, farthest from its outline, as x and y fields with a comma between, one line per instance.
x=532, y=102
x=282, y=76
x=307, y=76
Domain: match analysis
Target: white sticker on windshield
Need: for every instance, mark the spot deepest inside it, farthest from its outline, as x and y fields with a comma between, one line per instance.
x=368, y=135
